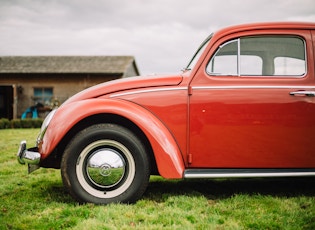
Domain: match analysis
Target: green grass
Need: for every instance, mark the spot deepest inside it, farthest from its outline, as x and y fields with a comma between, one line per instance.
x=38, y=201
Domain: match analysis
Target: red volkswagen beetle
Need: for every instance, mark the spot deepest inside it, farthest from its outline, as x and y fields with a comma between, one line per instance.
x=243, y=107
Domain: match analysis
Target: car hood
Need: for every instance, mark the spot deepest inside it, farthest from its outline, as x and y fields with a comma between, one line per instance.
x=125, y=84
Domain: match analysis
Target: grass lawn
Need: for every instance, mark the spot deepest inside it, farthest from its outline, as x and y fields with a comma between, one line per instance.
x=38, y=200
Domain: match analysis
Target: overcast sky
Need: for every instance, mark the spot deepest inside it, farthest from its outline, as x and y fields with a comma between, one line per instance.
x=161, y=34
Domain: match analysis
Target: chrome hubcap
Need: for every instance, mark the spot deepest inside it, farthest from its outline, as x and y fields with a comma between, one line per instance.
x=105, y=167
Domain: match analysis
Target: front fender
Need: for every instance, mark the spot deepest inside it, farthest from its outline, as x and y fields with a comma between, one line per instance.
x=166, y=151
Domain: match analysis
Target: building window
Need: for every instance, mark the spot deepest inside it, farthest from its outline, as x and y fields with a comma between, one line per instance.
x=43, y=95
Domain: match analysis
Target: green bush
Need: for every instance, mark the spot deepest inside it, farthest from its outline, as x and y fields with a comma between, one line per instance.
x=26, y=123
x=37, y=123
x=16, y=123
x=20, y=123
x=4, y=123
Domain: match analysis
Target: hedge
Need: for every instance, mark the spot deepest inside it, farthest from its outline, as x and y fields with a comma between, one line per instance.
x=20, y=123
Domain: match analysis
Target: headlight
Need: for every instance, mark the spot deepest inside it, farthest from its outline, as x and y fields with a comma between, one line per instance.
x=45, y=125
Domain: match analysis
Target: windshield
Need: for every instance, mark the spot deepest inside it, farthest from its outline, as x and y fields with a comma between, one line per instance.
x=197, y=55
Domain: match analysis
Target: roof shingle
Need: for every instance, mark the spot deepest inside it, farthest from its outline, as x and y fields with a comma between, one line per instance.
x=66, y=64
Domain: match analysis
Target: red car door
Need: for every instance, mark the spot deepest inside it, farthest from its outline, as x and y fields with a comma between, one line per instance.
x=252, y=103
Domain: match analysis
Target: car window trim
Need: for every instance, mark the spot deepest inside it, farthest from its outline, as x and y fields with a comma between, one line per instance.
x=258, y=76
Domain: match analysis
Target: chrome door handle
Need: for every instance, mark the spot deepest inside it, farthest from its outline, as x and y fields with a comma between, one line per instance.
x=307, y=93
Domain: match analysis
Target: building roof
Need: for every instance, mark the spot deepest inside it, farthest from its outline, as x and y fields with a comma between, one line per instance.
x=67, y=64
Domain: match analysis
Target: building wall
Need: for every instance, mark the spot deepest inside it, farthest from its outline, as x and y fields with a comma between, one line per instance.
x=64, y=86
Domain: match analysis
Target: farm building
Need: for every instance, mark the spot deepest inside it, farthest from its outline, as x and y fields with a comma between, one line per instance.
x=42, y=81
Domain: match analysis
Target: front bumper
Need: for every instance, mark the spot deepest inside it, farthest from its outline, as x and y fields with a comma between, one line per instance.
x=30, y=156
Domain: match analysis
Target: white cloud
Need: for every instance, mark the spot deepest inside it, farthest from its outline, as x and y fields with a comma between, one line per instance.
x=161, y=34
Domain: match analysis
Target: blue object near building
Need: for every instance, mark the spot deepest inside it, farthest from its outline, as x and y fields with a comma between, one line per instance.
x=32, y=110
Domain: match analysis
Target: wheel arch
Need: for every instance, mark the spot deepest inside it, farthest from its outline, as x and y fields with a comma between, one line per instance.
x=53, y=160
x=164, y=154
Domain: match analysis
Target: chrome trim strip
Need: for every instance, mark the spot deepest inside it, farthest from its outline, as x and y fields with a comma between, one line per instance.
x=240, y=175
x=239, y=57
x=147, y=91
x=213, y=87
x=254, y=87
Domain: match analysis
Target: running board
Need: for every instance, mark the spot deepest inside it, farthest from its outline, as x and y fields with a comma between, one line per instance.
x=239, y=173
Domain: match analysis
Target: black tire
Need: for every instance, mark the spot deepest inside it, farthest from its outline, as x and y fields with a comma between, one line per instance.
x=105, y=163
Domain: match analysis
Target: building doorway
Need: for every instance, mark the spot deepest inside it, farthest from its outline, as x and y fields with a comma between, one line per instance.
x=6, y=102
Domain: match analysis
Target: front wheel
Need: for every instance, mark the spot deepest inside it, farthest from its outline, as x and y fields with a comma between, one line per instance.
x=105, y=163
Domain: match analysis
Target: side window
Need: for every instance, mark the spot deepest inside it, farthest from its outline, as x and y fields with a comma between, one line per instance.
x=251, y=65
x=260, y=56
x=289, y=66
x=225, y=60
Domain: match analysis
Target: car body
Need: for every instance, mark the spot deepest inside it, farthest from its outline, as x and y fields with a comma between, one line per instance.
x=243, y=107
